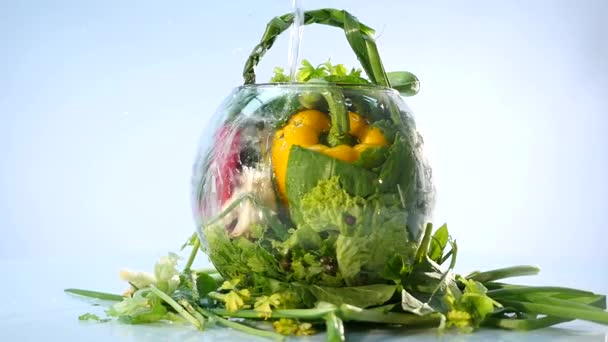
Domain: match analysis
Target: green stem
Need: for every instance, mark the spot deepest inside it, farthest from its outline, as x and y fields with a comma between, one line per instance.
x=494, y=285
x=193, y=312
x=424, y=244
x=338, y=133
x=569, y=312
x=209, y=271
x=335, y=328
x=536, y=289
x=307, y=314
x=445, y=257
x=352, y=313
x=326, y=16
x=524, y=324
x=454, y=253
x=175, y=305
x=240, y=327
x=502, y=273
x=376, y=63
x=591, y=299
x=216, y=296
x=195, y=247
x=234, y=204
x=97, y=295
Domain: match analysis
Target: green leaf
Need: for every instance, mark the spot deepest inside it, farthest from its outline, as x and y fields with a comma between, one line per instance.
x=389, y=129
x=346, y=79
x=313, y=100
x=372, y=157
x=502, y=273
x=205, y=284
x=301, y=178
x=237, y=257
x=468, y=310
x=396, y=268
x=360, y=296
x=357, y=42
x=306, y=238
x=360, y=226
x=166, y=273
x=281, y=107
x=409, y=303
x=587, y=312
x=398, y=173
x=143, y=307
x=279, y=76
x=438, y=243
x=92, y=317
x=336, y=70
x=519, y=290
x=308, y=72
x=351, y=313
x=406, y=83
x=383, y=308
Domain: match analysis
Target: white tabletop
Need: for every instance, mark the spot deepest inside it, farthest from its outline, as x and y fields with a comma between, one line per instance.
x=33, y=307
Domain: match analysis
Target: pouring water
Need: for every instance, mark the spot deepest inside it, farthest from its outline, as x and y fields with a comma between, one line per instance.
x=294, y=39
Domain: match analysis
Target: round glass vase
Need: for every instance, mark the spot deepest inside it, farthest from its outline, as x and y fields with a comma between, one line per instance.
x=314, y=183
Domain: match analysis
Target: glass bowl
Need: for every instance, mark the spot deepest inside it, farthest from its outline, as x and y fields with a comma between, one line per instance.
x=313, y=183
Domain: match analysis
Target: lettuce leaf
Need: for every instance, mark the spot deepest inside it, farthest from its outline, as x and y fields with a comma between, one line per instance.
x=369, y=231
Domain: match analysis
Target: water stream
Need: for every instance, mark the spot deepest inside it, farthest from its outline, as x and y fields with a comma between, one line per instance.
x=294, y=39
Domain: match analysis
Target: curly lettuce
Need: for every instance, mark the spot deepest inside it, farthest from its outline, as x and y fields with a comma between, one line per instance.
x=369, y=231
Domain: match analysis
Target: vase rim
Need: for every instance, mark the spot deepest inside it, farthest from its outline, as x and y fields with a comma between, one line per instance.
x=308, y=85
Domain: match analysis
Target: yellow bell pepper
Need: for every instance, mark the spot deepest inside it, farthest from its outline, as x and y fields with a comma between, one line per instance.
x=304, y=128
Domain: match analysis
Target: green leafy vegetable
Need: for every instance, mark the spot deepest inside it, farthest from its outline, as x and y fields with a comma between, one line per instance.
x=92, y=317
x=279, y=76
x=438, y=243
x=360, y=296
x=428, y=297
x=406, y=83
x=143, y=307
x=205, y=284
x=468, y=310
x=301, y=178
x=360, y=39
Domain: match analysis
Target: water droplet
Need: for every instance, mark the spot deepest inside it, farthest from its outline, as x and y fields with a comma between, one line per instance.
x=348, y=102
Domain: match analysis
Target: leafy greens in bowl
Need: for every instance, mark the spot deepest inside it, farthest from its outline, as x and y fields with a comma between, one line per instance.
x=305, y=200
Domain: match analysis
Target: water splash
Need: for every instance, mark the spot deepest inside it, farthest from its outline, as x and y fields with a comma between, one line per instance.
x=294, y=39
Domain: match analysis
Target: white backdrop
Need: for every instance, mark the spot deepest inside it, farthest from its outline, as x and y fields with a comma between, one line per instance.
x=102, y=104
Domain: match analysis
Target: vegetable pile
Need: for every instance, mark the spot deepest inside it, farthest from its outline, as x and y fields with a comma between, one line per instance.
x=313, y=203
